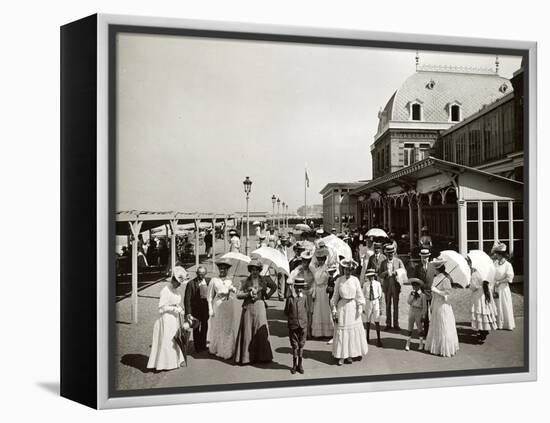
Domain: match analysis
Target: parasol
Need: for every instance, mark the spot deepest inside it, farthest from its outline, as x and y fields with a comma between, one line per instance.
x=377, y=233
x=338, y=246
x=236, y=260
x=457, y=267
x=483, y=264
x=181, y=338
x=401, y=277
x=302, y=227
x=273, y=258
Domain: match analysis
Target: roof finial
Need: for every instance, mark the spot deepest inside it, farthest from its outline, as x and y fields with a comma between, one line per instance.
x=497, y=64
x=417, y=59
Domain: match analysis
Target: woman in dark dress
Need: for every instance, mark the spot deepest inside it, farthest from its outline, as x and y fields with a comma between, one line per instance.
x=253, y=344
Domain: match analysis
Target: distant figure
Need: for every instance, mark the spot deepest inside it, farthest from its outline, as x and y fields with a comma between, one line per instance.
x=208, y=240
x=235, y=242
x=425, y=239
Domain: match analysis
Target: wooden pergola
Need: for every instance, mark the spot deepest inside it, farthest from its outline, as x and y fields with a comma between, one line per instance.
x=132, y=223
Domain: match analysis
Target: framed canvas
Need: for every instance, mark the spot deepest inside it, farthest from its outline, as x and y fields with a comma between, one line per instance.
x=254, y=211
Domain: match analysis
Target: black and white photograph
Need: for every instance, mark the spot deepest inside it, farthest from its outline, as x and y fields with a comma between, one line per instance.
x=290, y=212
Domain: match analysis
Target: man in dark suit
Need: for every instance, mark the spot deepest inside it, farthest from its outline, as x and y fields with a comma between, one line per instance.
x=377, y=258
x=391, y=286
x=425, y=272
x=196, y=305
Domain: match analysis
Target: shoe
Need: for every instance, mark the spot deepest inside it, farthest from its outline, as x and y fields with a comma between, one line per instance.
x=300, y=367
x=348, y=360
x=340, y=361
x=388, y=328
x=379, y=343
x=330, y=341
x=397, y=328
x=293, y=369
x=359, y=358
x=421, y=345
x=408, y=346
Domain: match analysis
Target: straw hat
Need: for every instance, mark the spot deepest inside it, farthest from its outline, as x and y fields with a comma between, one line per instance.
x=499, y=247
x=348, y=264
x=370, y=272
x=306, y=255
x=223, y=262
x=424, y=252
x=389, y=248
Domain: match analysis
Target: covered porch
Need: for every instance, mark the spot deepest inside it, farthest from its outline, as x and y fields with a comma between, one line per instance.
x=464, y=208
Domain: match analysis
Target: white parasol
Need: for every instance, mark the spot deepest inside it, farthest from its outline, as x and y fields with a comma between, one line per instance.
x=302, y=227
x=236, y=260
x=337, y=245
x=484, y=265
x=273, y=258
x=377, y=233
x=457, y=267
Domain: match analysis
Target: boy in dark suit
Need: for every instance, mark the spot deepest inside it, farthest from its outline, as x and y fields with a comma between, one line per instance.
x=296, y=312
x=196, y=305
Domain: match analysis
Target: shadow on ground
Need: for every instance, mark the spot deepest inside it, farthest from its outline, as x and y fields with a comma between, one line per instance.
x=137, y=361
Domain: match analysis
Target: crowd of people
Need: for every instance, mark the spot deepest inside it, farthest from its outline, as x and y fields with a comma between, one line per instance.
x=327, y=297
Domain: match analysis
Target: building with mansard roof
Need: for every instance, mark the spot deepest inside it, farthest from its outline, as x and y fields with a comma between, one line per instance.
x=430, y=101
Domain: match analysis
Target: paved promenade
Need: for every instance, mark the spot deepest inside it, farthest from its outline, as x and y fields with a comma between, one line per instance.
x=502, y=349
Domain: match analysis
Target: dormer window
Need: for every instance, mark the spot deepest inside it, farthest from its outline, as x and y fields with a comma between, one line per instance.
x=415, y=110
x=455, y=111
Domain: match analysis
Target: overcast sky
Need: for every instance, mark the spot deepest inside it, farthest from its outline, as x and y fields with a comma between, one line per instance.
x=195, y=116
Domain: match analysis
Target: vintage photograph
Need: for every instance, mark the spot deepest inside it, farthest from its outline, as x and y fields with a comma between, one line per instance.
x=292, y=212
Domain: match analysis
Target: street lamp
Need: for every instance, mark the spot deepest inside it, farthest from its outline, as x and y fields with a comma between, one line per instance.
x=273, y=201
x=287, y=217
x=247, y=187
x=278, y=214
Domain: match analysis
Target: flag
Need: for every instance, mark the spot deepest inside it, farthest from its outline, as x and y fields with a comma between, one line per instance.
x=307, y=179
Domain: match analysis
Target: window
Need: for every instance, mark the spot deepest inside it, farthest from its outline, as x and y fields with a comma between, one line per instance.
x=424, y=151
x=455, y=113
x=408, y=155
x=416, y=111
x=388, y=156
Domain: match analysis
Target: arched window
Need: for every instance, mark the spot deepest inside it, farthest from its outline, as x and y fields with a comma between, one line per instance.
x=455, y=113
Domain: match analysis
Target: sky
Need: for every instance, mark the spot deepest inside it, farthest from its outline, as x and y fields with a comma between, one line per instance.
x=195, y=116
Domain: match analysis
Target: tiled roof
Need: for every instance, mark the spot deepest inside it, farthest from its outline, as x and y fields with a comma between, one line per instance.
x=471, y=90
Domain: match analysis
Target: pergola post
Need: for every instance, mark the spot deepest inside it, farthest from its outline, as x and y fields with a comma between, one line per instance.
x=462, y=228
x=173, y=228
x=213, y=245
x=242, y=226
x=225, y=235
x=384, y=213
x=411, y=224
x=197, y=223
x=135, y=228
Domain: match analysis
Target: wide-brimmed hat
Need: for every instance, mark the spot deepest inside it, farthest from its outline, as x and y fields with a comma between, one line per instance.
x=377, y=245
x=499, y=247
x=348, y=263
x=424, y=252
x=232, y=232
x=332, y=268
x=320, y=231
x=321, y=252
x=438, y=262
x=262, y=236
x=224, y=263
x=306, y=255
x=416, y=281
x=389, y=248
x=298, y=246
x=180, y=273
x=299, y=280
x=370, y=272
x=424, y=228
x=255, y=263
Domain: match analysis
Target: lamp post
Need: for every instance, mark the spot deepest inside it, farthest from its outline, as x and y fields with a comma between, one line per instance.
x=287, y=217
x=247, y=187
x=278, y=214
x=273, y=201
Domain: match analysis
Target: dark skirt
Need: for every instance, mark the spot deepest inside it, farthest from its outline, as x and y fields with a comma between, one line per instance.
x=253, y=344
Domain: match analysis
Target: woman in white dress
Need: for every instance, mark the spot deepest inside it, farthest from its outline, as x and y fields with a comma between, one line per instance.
x=350, y=339
x=483, y=305
x=504, y=275
x=322, y=325
x=165, y=353
x=224, y=314
x=442, y=336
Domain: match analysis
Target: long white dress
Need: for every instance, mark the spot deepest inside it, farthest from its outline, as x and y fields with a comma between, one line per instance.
x=504, y=275
x=442, y=336
x=483, y=309
x=224, y=324
x=350, y=338
x=165, y=354
x=322, y=324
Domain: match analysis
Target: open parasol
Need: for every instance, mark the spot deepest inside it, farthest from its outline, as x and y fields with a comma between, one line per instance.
x=338, y=246
x=302, y=227
x=483, y=264
x=237, y=260
x=273, y=258
x=377, y=233
x=457, y=267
